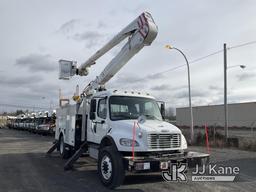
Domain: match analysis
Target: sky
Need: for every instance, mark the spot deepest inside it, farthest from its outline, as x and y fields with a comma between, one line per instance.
x=35, y=34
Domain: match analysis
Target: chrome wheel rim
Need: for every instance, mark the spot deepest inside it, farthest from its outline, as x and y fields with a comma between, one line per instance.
x=106, y=167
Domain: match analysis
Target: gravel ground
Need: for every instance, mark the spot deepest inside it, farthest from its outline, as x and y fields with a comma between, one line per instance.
x=25, y=168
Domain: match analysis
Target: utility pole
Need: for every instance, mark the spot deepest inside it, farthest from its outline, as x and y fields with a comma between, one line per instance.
x=225, y=94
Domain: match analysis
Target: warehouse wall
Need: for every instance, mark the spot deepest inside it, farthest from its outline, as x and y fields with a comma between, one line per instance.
x=239, y=115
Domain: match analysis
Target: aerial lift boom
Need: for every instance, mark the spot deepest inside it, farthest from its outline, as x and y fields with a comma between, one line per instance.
x=140, y=32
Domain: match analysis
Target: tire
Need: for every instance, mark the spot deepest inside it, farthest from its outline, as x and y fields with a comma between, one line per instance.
x=64, y=150
x=110, y=167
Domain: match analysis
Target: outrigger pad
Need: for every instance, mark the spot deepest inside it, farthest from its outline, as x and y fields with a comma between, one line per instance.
x=69, y=164
x=55, y=145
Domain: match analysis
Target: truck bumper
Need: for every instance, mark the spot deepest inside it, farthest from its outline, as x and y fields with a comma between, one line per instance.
x=156, y=164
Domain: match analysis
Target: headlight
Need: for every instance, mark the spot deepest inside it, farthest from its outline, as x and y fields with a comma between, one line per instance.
x=183, y=142
x=128, y=142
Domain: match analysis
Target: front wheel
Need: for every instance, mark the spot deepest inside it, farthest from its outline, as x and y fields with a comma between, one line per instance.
x=110, y=167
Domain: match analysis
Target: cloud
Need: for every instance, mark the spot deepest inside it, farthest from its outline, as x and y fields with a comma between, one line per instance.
x=194, y=93
x=215, y=88
x=31, y=95
x=37, y=62
x=134, y=80
x=72, y=29
x=28, y=91
x=126, y=79
x=20, y=81
x=46, y=91
x=135, y=9
x=162, y=87
x=92, y=38
x=50, y=87
x=69, y=26
x=102, y=24
x=155, y=76
x=245, y=76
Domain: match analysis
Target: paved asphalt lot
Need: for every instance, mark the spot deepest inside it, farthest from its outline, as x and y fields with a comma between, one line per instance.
x=25, y=168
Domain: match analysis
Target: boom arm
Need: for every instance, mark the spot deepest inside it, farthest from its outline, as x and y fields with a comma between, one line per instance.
x=140, y=32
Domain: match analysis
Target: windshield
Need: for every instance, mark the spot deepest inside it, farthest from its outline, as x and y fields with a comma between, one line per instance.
x=125, y=107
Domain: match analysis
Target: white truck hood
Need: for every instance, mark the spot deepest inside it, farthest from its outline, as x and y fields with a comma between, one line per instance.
x=124, y=129
x=148, y=126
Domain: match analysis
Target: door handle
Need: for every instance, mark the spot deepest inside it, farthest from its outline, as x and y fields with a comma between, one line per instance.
x=95, y=128
x=99, y=122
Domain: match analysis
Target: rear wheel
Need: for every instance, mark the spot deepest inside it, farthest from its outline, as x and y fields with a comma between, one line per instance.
x=110, y=167
x=64, y=149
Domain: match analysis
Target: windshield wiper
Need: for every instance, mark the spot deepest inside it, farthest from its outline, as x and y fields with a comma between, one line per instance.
x=125, y=116
x=152, y=117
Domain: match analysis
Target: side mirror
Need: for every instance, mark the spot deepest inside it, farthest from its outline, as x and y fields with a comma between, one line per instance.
x=162, y=110
x=93, y=109
x=92, y=116
x=93, y=105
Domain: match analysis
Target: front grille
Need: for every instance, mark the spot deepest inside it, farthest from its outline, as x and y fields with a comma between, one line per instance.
x=163, y=141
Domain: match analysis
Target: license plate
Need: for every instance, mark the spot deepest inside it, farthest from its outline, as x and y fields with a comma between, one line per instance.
x=146, y=166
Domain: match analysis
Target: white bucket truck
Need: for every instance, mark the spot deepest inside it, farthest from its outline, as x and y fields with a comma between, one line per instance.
x=122, y=130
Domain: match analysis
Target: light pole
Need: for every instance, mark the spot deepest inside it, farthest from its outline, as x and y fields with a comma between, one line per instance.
x=189, y=94
x=225, y=91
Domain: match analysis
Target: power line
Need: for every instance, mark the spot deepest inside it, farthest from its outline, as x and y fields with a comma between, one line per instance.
x=202, y=58
x=190, y=62
x=242, y=45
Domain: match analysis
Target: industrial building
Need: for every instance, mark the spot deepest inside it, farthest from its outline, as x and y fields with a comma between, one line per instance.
x=239, y=115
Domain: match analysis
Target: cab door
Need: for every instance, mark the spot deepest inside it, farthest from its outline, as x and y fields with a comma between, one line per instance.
x=99, y=124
